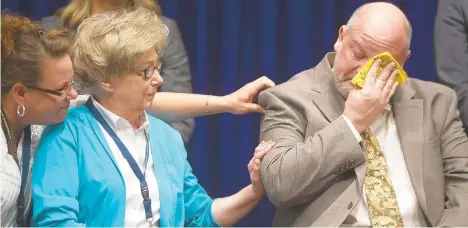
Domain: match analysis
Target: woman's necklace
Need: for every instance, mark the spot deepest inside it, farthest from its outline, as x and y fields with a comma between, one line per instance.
x=8, y=133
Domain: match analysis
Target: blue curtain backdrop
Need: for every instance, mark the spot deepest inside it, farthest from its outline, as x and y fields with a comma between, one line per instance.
x=232, y=42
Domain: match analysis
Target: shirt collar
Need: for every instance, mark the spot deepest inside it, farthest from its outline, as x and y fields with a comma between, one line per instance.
x=388, y=107
x=116, y=122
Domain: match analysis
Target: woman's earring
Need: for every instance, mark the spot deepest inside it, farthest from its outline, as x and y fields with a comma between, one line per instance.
x=20, y=110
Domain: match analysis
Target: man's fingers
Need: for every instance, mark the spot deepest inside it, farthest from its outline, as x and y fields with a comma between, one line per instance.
x=392, y=91
x=384, y=75
x=395, y=86
x=372, y=73
x=389, y=85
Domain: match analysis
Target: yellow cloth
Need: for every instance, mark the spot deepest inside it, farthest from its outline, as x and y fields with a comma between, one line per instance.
x=386, y=58
x=380, y=194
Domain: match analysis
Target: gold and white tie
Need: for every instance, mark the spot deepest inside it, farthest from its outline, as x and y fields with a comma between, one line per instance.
x=380, y=194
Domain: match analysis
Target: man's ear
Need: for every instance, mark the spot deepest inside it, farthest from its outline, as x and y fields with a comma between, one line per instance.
x=339, y=40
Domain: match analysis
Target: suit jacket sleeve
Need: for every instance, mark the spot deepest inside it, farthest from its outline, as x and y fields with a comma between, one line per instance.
x=55, y=179
x=176, y=74
x=300, y=168
x=454, y=149
x=451, y=50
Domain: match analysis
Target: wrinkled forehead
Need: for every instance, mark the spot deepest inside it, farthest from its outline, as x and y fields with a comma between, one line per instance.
x=377, y=41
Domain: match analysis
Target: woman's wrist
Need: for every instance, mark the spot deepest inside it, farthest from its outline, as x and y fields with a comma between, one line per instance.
x=217, y=104
x=257, y=192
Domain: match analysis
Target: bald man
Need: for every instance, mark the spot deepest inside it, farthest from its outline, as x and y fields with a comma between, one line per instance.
x=385, y=155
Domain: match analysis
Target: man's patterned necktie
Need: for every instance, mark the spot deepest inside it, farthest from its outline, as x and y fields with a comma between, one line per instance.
x=381, y=198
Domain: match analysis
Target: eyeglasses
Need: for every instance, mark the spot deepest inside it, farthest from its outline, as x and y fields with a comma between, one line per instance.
x=62, y=93
x=148, y=72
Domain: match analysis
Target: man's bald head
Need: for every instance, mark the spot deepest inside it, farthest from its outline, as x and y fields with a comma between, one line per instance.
x=383, y=20
x=372, y=29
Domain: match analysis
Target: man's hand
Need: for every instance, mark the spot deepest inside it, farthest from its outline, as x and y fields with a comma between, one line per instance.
x=364, y=106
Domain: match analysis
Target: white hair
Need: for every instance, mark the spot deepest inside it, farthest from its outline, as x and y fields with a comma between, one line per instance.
x=108, y=44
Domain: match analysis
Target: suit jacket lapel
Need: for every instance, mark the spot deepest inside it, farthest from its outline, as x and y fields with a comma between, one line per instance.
x=327, y=97
x=330, y=104
x=329, y=101
x=408, y=113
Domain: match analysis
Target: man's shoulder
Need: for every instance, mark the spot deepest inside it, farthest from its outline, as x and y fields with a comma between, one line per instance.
x=427, y=89
x=438, y=100
x=461, y=4
x=299, y=83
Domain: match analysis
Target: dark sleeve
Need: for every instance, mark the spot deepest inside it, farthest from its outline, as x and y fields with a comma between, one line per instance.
x=451, y=50
x=51, y=22
x=176, y=74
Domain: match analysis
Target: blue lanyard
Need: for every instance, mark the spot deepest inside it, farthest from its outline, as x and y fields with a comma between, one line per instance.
x=131, y=161
x=25, y=165
x=24, y=175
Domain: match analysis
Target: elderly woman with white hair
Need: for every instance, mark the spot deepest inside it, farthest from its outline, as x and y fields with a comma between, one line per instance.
x=111, y=164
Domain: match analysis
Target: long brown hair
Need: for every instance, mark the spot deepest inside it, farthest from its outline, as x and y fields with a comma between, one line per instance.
x=24, y=47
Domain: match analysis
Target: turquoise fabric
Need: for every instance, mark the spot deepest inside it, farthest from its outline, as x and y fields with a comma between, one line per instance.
x=76, y=181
